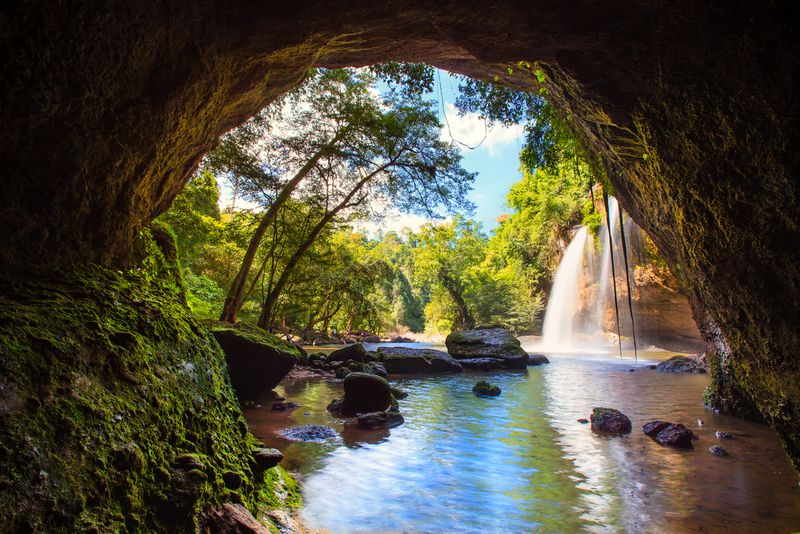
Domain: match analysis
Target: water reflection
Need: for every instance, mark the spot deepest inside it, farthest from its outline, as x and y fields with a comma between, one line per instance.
x=521, y=461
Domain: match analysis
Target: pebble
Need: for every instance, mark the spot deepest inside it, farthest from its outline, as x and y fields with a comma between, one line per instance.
x=716, y=450
x=723, y=435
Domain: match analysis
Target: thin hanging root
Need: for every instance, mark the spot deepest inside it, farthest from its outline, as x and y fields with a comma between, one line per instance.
x=613, y=269
x=628, y=280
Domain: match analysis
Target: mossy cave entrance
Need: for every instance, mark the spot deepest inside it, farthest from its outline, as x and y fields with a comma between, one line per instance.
x=692, y=108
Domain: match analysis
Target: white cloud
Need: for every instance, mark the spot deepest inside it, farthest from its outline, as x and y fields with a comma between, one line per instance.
x=393, y=221
x=470, y=129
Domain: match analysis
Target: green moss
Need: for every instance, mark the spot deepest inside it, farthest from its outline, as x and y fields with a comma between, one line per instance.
x=116, y=410
x=256, y=335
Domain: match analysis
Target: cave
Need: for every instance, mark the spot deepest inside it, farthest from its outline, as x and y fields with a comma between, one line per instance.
x=692, y=108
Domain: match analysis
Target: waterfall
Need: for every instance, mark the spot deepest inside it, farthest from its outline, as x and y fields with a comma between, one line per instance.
x=559, y=320
x=581, y=292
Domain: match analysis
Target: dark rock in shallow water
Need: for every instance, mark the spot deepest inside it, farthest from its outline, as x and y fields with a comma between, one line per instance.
x=610, y=421
x=675, y=435
x=583, y=421
x=403, y=360
x=231, y=518
x=485, y=389
x=371, y=339
x=483, y=364
x=487, y=343
x=716, y=450
x=257, y=360
x=537, y=359
x=355, y=352
x=401, y=339
x=363, y=393
x=652, y=428
x=284, y=406
x=723, y=435
x=312, y=433
x=398, y=393
x=267, y=458
x=680, y=364
x=376, y=420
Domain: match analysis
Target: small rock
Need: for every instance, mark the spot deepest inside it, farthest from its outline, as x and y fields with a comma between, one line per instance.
x=267, y=458
x=716, y=450
x=723, y=435
x=342, y=372
x=583, y=421
x=631, y=370
x=284, y=406
x=376, y=420
x=310, y=433
x=485, y=389
x=610, y=421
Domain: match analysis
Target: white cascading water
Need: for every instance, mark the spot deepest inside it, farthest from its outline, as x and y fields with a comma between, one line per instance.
x=559, y=331
x=569, y=324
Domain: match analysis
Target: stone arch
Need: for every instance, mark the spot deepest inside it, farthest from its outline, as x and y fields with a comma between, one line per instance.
x=692, y=107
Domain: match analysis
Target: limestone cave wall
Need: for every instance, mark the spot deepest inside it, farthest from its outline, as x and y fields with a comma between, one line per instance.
x=692, y=107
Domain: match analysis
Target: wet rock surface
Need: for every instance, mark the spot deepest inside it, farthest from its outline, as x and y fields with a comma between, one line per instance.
x=267, y=458
x=257, y=360
x=723, y=435
x=716, y=450
x=681, y=364
x=355, y=352
x=496, y=343
x=483, y=364
x=537, y=359
x=403, y=360
x=610, y=421
x=230, y=518
x=310, y=433
x=363, y=393
x=485, y=389
x=670, y=434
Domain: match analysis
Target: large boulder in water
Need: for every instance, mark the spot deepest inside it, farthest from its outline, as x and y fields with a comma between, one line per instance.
x=363, y=393
x=610, y=421
x=403, y=360
x=490, y=342
x=680, y=364
x=355, y=352
x=257, y=360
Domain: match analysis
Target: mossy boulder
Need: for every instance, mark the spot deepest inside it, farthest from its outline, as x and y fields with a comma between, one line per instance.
x=403, y=360
x=491, y=342
x=610, y=421
x=116, y=409
x=257, y=360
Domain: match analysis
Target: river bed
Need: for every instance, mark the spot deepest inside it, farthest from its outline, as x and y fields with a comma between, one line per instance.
x=521, y=461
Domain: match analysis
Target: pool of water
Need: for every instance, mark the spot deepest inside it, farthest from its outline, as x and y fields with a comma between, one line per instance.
x=521, y=461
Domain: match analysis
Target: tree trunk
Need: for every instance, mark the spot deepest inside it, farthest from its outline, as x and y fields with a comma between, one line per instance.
x=465, y=319
x=272, y=298
x=234, y=300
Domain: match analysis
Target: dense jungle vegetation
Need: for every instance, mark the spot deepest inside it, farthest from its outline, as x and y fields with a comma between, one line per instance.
x=345, y=147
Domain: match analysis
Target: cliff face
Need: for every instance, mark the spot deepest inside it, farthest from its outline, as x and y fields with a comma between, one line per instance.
x=692, y=106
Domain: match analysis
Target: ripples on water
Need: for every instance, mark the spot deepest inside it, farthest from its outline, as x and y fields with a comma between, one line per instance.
x=521, y=462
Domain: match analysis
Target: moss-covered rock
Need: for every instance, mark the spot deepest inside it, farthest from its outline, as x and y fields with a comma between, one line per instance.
x=257, y=360
x=490, y=342
x=116, y=409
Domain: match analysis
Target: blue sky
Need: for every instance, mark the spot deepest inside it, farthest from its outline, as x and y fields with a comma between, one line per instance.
x=496, y=160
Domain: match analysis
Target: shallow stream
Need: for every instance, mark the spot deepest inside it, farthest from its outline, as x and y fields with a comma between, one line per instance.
x=521, y=461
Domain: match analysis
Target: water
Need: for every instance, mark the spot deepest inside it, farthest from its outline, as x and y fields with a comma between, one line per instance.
x=521, y=462
x=583, y=293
